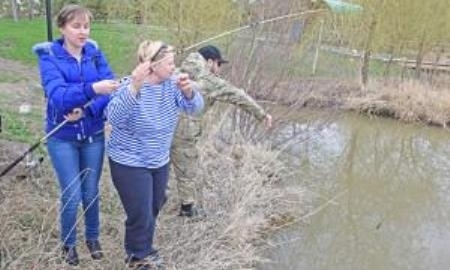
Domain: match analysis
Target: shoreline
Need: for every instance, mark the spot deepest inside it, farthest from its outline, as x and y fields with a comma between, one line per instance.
x=409, y=101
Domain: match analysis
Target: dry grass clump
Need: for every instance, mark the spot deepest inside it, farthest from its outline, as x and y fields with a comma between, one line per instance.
x=243, y=197
x=409, y=101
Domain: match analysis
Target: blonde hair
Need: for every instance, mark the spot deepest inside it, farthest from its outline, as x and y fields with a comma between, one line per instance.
x=69, y=12
x=153, y=51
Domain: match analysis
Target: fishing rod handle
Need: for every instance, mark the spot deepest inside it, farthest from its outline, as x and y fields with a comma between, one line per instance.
x=19, y=159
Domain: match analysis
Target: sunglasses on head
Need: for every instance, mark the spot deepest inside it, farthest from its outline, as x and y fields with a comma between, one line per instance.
x=163, y=47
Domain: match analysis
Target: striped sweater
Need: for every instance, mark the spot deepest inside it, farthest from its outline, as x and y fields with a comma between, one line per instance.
x=143, y=126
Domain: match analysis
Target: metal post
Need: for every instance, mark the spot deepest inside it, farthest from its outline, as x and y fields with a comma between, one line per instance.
x=48, y=15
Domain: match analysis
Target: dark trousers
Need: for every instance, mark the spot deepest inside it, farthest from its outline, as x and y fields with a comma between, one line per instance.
x=143, y=193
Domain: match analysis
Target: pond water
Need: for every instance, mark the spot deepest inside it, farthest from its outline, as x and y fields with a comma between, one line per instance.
x=383, y=190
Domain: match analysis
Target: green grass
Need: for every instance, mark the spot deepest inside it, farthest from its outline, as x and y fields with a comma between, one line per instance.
x=23, y=128
x=118, y=40
x=16, y=39
x=16, y=127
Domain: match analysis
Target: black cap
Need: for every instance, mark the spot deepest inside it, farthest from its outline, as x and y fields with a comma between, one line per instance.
x=212, y=52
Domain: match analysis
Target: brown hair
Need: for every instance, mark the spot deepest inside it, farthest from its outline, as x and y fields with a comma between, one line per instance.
x=69, y=12
x=153, y=51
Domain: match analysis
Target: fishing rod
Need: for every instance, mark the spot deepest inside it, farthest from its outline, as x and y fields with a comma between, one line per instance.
x=34, y=146
x=30, y=150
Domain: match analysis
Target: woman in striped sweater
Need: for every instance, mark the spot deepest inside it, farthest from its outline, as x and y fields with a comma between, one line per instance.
x=143, y=114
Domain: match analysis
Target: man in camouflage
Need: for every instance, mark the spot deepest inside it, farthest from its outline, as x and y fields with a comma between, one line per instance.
x=203, y=67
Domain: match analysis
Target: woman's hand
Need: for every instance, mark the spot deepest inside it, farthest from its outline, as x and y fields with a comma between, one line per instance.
x=185, y=85
x=105, y=87
x=138, y=76
x=75, y=115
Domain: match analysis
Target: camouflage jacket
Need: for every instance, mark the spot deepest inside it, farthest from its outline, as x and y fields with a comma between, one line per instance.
x=213, y=88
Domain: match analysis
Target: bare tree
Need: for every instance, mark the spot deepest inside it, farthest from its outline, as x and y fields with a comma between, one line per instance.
x=31, y=8
x=15, y=10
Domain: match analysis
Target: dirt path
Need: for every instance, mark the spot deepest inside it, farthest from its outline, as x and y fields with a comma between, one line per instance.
x=21, y=70
x=19, y=84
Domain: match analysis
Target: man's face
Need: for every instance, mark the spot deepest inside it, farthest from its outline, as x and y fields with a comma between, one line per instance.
x=214, y=66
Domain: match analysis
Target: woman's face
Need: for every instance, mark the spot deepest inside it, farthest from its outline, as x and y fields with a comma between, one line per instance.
x=76, y=32
x=164, y=69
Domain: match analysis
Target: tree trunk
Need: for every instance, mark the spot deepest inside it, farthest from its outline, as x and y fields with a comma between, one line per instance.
x=367, y=54
x=31, y=6
x=436, y=63
x=15, y=10
x=138, y=17
x=387, y=70
x=419, y=57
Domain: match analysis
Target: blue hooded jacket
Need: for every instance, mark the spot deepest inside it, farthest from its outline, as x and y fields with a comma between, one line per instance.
x=67, y=85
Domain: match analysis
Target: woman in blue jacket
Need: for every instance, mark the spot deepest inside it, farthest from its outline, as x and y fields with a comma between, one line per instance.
x=143, y=113
x=77, y=81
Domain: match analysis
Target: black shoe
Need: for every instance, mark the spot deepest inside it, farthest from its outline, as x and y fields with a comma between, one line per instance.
x=192, y=211
x=138, y=264
x=70, y=255
x=188, y=210
x=152, y=261
x=157, y=261
x=142, y=267
x=95, y=249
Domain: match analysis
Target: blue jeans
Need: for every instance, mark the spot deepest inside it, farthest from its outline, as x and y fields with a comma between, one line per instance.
x=143, y=194
x=78, y=166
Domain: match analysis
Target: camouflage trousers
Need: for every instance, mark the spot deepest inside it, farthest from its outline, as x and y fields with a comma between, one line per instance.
x=184, y=157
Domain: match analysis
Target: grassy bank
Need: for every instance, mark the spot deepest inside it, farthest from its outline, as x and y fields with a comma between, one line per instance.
x=409, y=100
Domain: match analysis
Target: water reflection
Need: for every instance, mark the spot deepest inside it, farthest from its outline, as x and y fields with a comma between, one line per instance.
x=394, y=211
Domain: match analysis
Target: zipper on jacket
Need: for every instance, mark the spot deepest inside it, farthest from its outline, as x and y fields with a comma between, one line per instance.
x=80, y=69
x=83, y=133
x=54, y=115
